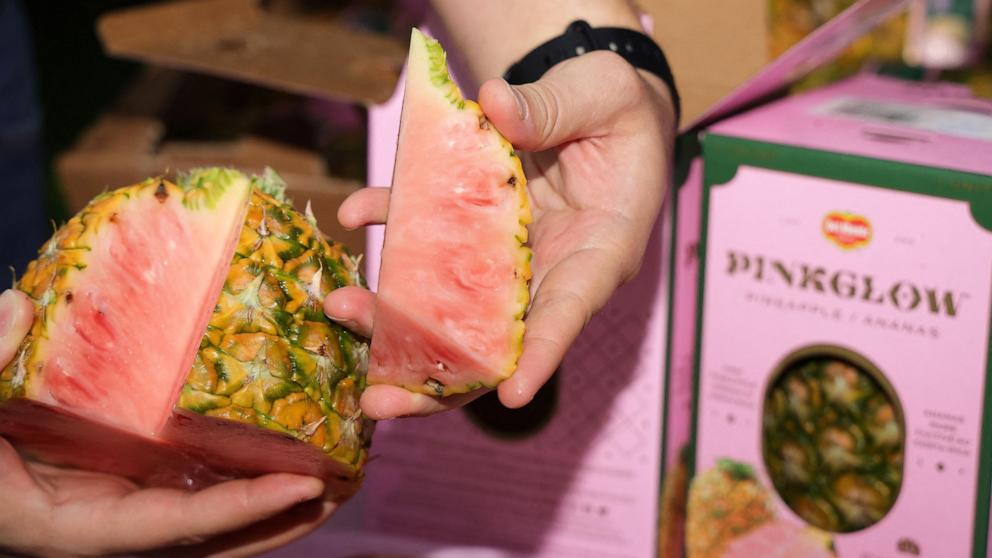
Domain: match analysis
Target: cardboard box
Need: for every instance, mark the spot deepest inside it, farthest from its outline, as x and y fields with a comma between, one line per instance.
x=818, y=48
x=715, y=48
x=844, y=324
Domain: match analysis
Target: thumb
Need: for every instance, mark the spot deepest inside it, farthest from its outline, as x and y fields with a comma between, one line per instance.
x=579, y=98
x=16, y=316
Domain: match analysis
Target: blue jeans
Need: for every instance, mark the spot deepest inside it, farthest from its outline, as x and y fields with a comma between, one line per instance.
x=23, y=221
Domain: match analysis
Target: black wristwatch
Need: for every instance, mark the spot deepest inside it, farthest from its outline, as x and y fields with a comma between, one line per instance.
x=579, y=38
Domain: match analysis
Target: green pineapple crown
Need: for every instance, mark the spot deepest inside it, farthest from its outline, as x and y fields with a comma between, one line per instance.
x=437, y=62
x=271, y=183
x=735, y=469
x=208, y=184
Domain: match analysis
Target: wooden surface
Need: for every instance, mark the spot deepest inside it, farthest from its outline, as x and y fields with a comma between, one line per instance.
x=119, y=150
x=239, y=40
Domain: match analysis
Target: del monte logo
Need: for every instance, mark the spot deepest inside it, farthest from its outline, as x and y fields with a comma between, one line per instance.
x=847, y=230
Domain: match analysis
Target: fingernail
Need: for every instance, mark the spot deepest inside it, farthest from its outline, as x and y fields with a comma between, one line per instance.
x=343, y=322
x=521, y=102
x=332, y=315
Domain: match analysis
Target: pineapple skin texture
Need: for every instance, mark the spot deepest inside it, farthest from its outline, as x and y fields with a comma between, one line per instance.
x=269, y=357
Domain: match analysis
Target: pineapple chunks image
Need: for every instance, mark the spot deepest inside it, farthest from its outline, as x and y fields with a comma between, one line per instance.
x=725, y=502
x=833, y=442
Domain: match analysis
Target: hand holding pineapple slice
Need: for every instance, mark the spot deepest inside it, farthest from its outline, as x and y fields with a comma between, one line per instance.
x=592, y=213
x=64, y=505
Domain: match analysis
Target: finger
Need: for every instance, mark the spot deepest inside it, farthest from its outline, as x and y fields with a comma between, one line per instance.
x=15, y=478
x=367, y=206
x=22, y=504
x=154, y=518
x=563, y=105
x=76, y=484
x=384, y=402
x=353, y=308
x=16, y=316
x=564, y=303
x=278, y=531
x=255, y=539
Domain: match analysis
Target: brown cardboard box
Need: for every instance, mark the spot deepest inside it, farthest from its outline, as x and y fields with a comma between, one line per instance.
x=713, y=46
x=716, y=46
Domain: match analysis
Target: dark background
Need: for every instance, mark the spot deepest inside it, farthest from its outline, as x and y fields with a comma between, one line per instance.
x=75, y=79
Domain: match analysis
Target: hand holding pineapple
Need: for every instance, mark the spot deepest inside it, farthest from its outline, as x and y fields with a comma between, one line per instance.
x=596, y=163
x=47, y=510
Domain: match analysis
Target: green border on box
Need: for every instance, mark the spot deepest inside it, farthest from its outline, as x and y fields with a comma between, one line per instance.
x=687, y=148
x=724, y=155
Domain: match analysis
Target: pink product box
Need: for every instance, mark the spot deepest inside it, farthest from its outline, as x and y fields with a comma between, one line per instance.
x=820, y=47
x=842, y=347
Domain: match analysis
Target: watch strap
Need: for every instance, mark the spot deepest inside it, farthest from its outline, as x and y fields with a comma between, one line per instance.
x=640, y=50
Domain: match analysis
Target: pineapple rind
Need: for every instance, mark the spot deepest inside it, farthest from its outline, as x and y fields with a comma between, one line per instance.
x=270, y=356
x=438, y=68
x=206, y=186
x=522, y=272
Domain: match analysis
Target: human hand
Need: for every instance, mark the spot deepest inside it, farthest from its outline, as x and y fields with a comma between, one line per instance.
x=52, y=511
x=597, y=137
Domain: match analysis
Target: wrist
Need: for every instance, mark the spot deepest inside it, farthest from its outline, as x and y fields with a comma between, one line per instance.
x=513, y=27
x=664, y=96
x=635, y=48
